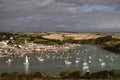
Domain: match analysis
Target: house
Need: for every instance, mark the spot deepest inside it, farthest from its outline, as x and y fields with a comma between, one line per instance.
x=3, y=44
x=4, y=47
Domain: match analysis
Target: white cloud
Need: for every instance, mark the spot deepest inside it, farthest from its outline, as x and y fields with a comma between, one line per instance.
x=44, y=3
x=60, y=14
x=75, y=8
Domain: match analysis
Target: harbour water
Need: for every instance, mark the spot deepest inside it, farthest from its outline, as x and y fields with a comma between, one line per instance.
x=54, y=62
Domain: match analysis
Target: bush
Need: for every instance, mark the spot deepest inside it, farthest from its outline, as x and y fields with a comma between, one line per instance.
x=101, y=74
x=101, y=40
x=72, y=75
x=39, y=74
x=68, y=38
x=64, y=74
x=75, y=75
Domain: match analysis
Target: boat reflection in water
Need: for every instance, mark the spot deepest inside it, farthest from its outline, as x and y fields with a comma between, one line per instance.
x=84, y=58
x=26, y=69
x=26, y=64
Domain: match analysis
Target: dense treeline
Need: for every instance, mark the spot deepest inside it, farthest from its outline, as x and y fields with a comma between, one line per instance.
x=63, y=75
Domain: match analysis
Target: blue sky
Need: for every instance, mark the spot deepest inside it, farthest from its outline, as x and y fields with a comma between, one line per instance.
x=99, y=7
x=60, y=15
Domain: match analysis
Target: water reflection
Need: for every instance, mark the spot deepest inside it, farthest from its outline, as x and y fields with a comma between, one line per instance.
x=9, y=64
x=77, y=65
x=26, y=69
x=52, y=62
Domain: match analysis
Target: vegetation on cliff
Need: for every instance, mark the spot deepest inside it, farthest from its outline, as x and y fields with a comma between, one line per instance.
x=63, y=75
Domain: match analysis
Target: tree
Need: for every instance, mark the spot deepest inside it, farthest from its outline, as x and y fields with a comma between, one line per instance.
x=75, y=74
x=64, y=74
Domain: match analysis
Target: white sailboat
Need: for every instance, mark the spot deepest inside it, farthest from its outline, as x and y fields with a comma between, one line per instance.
x=67, y=62
x=26, y=61
x=77, y=60
x=9, y=61
x=102, y=64
x=85, y=65
x=40, y=59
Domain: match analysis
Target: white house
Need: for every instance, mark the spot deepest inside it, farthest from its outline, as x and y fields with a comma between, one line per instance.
x=3, y=44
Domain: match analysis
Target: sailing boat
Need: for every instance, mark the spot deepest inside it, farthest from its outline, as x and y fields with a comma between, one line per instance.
x=85, y=65
x=77, y=59
x=68, y=62
x=9, y=61
x=26, y=61
x=40, y=58
x=102, y=64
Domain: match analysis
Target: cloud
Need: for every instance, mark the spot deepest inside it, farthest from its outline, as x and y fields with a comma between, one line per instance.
x=61, y=25
x=29, y=15
x=99, y=7
x=108, y=25
x=44, y=3
x=90, y=8
x=104, y=2
x=78, y=8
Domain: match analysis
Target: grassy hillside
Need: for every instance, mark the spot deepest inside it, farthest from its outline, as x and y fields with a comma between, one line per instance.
x=109, y=41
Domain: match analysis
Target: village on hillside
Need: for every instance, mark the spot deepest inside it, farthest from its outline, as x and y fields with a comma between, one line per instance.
x=6, y=49
x=17, y=43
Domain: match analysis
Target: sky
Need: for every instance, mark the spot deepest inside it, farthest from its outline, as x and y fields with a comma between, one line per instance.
x=60, y=15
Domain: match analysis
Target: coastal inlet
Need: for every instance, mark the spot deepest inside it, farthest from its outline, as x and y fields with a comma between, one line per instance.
x=86, y=58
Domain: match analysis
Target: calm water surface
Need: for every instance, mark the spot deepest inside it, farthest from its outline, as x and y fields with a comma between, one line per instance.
x=54, y=61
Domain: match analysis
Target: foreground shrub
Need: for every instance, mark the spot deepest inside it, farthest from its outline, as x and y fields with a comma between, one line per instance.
x=68, y=74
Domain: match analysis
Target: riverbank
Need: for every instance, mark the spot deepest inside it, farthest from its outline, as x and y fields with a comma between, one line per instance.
x=107, y=41
x=27, y=42
x=26, y=48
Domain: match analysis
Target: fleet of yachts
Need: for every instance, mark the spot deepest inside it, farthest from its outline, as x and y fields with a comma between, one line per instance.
x=68, y=58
